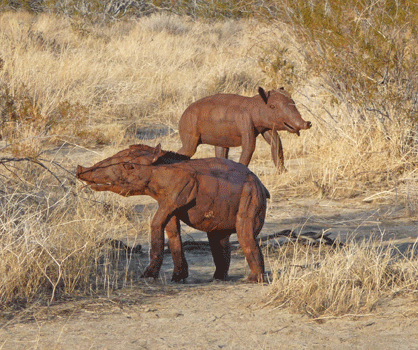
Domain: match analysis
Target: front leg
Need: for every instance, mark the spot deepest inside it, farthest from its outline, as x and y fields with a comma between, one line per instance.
x=273, y=139
x=181, y=269
x=248, y=147
x=182, y=192
x=158, y=224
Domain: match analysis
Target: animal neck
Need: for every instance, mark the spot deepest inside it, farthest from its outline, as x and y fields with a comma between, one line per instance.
x=155, y=183
x=258, y=113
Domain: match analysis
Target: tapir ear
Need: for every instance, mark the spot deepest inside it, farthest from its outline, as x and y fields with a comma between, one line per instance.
x=157, y=151
x=262, y=94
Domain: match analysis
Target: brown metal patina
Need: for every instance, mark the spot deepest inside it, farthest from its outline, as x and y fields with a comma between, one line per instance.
x=214, y=195
x=226, y=120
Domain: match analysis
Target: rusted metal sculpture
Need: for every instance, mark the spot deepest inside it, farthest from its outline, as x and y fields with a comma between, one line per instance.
x=226, y=120
x=214, y=195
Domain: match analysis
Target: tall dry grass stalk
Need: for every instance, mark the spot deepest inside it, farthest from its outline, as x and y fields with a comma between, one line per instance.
x=352, y=279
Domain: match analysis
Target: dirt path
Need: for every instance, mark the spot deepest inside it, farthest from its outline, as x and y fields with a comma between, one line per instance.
x=211, y=316
x=230, y=315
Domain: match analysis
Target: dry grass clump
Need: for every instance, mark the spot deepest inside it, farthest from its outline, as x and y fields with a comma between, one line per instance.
x=334, y=281
x=53, y=239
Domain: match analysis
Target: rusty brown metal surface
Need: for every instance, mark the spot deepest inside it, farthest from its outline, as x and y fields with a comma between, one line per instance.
x=227, y=120
x=214, y=195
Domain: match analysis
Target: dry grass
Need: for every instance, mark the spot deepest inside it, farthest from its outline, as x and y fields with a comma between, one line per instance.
x=67, y=81
x=352, y=279
x=97, y=84
x=52, y=236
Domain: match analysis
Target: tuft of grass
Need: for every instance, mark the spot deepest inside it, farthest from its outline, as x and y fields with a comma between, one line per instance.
x=351, y=279
x=53, y=237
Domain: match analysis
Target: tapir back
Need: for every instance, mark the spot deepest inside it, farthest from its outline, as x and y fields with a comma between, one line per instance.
x=214, y=119
x=220, y=184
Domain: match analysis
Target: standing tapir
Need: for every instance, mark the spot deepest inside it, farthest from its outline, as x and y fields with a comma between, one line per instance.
x=214, y=195
x=227, y=120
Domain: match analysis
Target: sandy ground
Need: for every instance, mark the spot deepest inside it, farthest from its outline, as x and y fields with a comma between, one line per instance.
x=211, y=316
x=226, y=315
x=202, y=314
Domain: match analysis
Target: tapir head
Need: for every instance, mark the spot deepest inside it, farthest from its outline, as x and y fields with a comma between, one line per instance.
x=126, y=173
x=280, y=112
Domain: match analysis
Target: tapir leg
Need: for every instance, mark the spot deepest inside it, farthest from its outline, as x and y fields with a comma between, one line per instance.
x=273, y=139
x=248, y=147
x=190, y=137
x=221, y=252
x=189, y=147
x=157, y=244
x=250, y=220
x=181, y=269
x=221, y=152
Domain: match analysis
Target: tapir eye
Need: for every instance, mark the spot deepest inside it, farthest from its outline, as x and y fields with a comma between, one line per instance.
x=272, y=106
x=128, y=166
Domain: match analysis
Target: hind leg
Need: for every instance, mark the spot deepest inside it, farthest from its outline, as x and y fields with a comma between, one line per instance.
x=250, y=220
x=181, y=268
x=253, y=255
x=221, y=152
x=221, y=252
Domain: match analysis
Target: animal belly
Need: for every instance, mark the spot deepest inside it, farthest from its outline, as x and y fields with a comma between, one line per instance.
x=222, y=141
x=211, y=218
x=217, y=133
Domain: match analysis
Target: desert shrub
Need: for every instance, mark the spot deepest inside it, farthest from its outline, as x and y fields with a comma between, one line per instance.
x=92, y=10
x=365, y=52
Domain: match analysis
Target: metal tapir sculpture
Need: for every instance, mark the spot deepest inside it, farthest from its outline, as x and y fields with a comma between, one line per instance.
x=227, y=120
x=214, y=195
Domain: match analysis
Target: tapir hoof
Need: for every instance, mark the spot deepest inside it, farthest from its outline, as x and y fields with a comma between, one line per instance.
x=256, y=278
x=220, y=276
x=149, y=273
x=179, y=277
x=281, y=170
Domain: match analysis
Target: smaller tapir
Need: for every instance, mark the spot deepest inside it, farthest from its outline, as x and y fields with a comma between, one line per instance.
x=227, y=120
x=214, y=195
